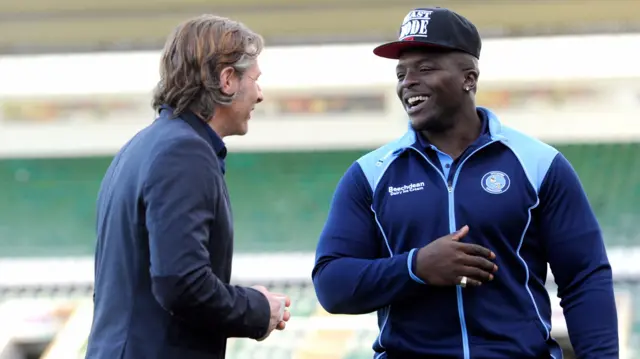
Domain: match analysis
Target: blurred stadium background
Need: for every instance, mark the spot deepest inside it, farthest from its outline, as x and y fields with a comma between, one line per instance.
x=75, y=82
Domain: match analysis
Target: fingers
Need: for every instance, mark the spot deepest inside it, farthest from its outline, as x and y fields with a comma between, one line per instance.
x=283, y=302
x=459, y=234
x=476, y=263
x=470, y=281
x=477, y=250
x=469, y=248
x=285, y=319
x=480, y=263
x=287, y=300
x=476, y=274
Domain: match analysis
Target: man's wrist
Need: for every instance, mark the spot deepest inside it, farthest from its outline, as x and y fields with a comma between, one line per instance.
x=262, y=314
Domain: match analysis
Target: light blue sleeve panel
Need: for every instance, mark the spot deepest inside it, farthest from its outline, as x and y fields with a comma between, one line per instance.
x=534, y=155
x=374, y=164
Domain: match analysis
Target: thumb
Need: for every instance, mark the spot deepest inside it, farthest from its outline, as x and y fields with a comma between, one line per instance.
x=460, y=233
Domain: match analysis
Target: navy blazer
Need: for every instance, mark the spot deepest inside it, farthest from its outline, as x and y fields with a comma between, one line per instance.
x=164, y=249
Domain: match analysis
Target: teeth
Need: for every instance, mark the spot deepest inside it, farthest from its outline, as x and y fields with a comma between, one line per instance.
x=415, y=99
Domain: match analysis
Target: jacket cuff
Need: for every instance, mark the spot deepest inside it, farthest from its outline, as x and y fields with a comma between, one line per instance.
x=411, y=265
x=262, y=314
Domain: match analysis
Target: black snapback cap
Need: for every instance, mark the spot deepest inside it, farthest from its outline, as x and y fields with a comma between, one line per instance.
x=433, y=27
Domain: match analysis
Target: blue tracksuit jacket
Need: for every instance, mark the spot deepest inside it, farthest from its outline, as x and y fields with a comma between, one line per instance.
x=520, y=198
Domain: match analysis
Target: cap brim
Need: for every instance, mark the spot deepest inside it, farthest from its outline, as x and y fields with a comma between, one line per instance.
x=392, y=50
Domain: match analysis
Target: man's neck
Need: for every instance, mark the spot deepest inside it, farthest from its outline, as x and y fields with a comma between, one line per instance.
x=217, y=128
x=466, y=128
x=216, y=124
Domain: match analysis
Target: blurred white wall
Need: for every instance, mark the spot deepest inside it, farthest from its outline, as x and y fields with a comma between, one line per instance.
x=568, y=89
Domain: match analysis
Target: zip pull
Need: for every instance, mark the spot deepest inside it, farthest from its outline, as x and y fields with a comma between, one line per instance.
x=449, y=187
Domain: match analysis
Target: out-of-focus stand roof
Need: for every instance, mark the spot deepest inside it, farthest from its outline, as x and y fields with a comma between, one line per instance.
x=29, y=26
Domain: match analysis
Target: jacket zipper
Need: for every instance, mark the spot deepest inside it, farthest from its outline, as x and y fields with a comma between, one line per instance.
x=452, y=228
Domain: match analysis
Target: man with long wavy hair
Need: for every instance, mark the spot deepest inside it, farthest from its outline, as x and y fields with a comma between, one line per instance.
x=164, y=227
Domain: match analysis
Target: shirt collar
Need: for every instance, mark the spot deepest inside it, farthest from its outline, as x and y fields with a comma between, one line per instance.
x=218, y=145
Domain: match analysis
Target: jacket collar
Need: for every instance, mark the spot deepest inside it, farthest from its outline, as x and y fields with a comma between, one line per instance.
x=494, y=127
x=201, y=128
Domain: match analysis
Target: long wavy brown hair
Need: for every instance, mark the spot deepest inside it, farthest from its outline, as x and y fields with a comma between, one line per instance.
x=193, y=57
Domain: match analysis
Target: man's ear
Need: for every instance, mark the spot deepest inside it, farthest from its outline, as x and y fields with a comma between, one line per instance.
x=228, y=81
x=470, y=79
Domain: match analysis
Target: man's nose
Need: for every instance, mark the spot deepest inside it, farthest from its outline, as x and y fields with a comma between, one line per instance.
x=409, y=80
x=260, y=95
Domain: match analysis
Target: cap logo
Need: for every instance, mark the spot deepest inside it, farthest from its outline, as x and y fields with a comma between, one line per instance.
x=415, y=24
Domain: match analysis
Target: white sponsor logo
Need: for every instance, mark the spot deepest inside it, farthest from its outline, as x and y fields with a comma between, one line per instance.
x=413, y=187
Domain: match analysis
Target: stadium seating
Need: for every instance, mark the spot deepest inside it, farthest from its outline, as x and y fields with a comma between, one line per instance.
x=282, y=212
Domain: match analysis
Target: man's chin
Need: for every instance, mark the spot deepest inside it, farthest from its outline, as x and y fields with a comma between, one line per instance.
x=243, y=129
x=420, y=124
x=431, y=123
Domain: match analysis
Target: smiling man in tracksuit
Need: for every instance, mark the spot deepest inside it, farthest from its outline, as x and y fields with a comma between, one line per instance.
x=447, y=231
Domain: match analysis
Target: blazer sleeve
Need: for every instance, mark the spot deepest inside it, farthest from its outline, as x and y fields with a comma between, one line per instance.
x=179, y=196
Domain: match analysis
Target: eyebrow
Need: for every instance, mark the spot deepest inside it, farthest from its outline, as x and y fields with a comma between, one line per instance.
x=416, y=63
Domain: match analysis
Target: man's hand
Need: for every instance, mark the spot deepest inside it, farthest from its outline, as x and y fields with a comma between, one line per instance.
x=445, y=261
x=278, y=304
